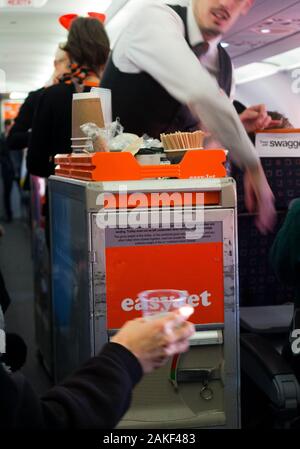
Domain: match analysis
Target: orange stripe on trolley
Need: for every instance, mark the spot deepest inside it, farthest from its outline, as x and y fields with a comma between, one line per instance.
x=124, y=167
x=278, y=131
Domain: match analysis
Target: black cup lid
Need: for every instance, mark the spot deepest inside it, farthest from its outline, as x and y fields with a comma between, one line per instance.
x=143, y=151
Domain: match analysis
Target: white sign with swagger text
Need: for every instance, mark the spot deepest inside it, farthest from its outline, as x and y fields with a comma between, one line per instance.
x=278, y=144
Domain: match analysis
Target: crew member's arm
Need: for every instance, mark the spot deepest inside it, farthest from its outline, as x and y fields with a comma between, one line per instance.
x=158, y=47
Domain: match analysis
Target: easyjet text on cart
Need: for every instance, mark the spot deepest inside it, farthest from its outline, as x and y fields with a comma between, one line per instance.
x=195, y=300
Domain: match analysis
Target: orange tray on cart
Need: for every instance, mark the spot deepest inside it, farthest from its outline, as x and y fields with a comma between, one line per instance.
x=124, y=167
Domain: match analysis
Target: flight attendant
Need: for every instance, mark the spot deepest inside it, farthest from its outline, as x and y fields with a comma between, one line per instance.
x=168, y=72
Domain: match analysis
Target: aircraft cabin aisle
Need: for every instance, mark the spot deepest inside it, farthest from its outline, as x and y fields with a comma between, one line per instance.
x=16, y=265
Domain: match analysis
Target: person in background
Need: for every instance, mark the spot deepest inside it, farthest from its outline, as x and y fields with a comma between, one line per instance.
x=87, y=48
x=99, y=393
x=18, y=137
x=4, y=296
x=16, y=349
x=279, y=121
x=168, y=72
x=7, y=170
x=61, y=65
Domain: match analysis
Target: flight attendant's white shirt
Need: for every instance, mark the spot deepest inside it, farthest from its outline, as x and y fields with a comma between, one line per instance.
x=154, y=42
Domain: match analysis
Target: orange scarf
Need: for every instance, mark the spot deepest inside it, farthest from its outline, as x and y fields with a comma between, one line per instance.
x=79, y=75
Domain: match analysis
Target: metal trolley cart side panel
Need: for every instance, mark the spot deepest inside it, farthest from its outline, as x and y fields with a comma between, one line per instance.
x=73, y=333
x=157, y=401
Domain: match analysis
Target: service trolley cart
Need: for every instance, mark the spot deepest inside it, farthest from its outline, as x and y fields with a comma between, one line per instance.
x=113, y=239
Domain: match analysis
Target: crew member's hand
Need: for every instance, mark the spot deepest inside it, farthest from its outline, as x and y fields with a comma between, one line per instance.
x=154, y=341
x=255, y=117
x=260, y=199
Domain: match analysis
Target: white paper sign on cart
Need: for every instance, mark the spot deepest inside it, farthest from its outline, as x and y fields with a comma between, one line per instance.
x=278, y=143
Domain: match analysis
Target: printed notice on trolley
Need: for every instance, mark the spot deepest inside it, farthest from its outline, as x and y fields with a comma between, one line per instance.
x=118, y=237
x=148, y=259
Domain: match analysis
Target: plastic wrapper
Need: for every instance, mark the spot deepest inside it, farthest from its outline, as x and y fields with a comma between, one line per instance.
x=132, y=143
x=100, y=139
x=97, y=138
x=126, y=142
x=113, y=138
x=149, y=142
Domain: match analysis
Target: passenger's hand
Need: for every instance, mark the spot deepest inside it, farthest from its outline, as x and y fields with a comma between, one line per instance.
x=255, y=118
x=154, y=341
x=260, y=199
